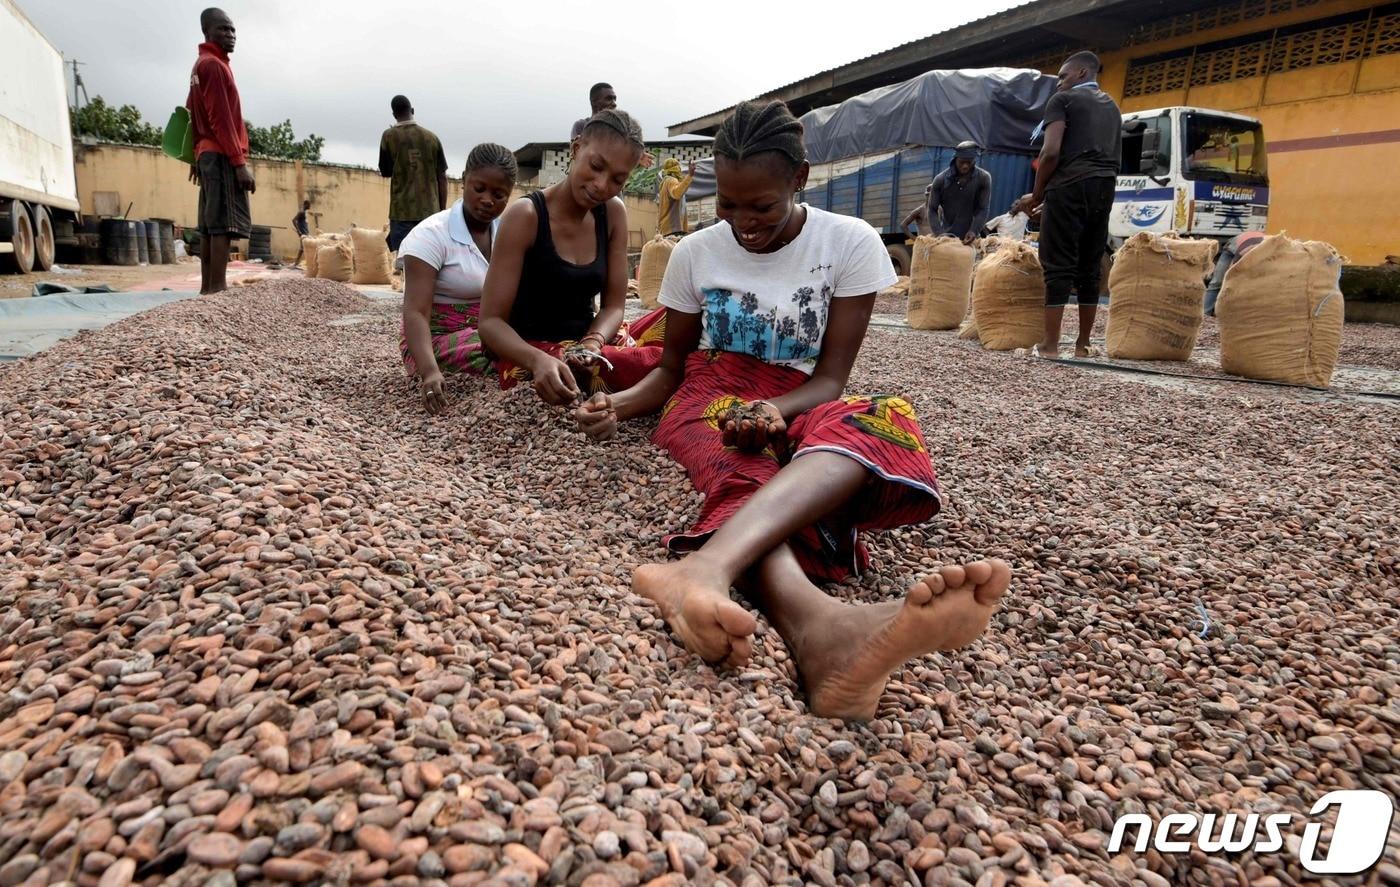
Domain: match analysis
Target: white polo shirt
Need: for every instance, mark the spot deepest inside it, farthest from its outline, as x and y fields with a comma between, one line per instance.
x=444, y=242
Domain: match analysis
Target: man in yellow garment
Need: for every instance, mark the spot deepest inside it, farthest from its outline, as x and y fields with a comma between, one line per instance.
x=672, y=217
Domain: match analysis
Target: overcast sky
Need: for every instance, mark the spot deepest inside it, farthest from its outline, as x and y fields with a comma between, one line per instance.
x=485, y=70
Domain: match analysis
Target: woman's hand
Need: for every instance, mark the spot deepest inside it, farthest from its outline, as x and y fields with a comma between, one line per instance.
x=553, y=380
x=597, y=418
x=753, y=426
x=430, y=385
x=586, y=352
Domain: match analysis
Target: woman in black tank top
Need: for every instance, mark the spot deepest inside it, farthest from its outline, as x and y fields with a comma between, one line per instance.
x=555, y=251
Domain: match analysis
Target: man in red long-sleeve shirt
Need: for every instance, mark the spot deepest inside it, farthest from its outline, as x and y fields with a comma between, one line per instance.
x=221, y=150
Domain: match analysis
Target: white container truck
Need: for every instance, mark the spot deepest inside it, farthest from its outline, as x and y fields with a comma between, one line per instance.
x=38, y=188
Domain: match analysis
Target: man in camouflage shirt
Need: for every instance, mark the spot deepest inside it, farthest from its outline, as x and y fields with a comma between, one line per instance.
x=412, y=158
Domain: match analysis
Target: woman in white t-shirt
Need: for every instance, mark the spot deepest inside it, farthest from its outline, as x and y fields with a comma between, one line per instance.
x=445, y=259
x=765, y=315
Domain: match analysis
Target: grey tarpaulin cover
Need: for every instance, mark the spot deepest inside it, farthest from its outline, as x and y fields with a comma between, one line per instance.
x=997, y=108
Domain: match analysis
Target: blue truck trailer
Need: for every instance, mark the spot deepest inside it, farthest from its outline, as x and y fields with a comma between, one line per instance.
x=885, y=187
x=872, y=155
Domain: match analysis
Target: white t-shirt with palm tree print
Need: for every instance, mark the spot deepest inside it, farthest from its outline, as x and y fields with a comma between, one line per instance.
x=774, y=306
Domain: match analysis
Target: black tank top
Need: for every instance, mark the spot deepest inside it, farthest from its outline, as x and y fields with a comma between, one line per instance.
x=555, y=299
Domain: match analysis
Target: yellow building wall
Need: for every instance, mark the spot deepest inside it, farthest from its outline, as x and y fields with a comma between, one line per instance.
x=1326, y=181
x=157, y=186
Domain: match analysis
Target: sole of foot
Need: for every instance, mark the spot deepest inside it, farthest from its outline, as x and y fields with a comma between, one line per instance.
x=700, y=611
x=946, y=610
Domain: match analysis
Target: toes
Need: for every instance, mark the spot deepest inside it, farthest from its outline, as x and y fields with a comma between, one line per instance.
x=978, y=572
x=734, y=619
x=954, y=576
x=740, y=652
x=919, y=594
x=935, y=584
x=997, y=583
x=647, y=584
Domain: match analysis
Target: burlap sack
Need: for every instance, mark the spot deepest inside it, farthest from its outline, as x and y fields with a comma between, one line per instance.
x=373, y=263
x=1157, y=296
x=1008, y=297
x=968, y=330
x=897, y=290
x=1281, y=311
x=656, y=253
x=309, y=247
x=939, y=283
x=336, y=261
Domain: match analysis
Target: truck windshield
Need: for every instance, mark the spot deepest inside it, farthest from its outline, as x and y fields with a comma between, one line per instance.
x=1223, y=149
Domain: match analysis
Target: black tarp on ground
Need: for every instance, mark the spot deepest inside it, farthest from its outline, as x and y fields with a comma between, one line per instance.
x=996, y=107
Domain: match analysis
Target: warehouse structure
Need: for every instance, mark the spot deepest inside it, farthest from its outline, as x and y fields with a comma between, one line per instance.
x=1322, y=75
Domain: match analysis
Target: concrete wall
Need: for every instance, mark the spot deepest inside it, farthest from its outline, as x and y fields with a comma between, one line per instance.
x=111, y=177
x=1330, y=129
x=554, y=163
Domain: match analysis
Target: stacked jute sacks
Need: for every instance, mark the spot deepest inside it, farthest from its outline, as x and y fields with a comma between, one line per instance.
x=656, y=254
x=360, y=255
x=1281, y=312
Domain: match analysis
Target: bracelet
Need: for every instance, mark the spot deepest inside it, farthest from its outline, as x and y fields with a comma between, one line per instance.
x=596, y=337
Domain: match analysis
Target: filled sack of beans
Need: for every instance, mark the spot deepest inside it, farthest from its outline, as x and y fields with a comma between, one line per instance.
x=1281, y=311
x=655, y=254
x=940, y=282
x=1008, y=297
x=373, y=264
x=336, y=261
x=1157, y=296
x=968, y=330
x=897, y=290
x=309, y=247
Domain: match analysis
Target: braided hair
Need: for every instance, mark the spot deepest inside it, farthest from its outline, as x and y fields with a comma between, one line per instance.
x=489, y=154
x=761, y=128
x=619, y=124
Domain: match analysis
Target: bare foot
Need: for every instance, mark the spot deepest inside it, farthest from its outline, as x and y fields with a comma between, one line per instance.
x=697, y=606
x=846, y=670
x=1083, y=351
x=1039, y=350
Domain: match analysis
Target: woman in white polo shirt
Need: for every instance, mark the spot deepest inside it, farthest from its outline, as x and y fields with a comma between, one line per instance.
x=445, y=259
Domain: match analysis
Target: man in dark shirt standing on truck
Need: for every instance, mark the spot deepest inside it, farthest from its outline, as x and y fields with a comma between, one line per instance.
x=412, y=158
x=221, y=151
x=1074, y=186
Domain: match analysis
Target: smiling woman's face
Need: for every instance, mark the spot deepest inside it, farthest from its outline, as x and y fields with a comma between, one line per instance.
x=755, y=196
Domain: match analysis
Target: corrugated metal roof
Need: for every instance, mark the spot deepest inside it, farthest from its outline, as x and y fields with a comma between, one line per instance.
x=1072, y=7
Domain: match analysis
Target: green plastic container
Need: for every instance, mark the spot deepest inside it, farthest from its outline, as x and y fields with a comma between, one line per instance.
x=179, y=136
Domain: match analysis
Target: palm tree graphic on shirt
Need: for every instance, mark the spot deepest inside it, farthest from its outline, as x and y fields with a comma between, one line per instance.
x=738, y=324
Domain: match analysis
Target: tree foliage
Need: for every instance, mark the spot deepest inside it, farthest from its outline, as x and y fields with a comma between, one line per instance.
x=642, y=182
x=109, y=124
x=281, y=142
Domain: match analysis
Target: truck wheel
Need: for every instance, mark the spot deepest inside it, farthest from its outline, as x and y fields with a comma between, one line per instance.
x=901, y=258
x=43, y=239
x=16, y=229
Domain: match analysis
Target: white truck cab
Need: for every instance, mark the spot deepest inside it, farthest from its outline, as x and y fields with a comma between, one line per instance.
x=1194, y=171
